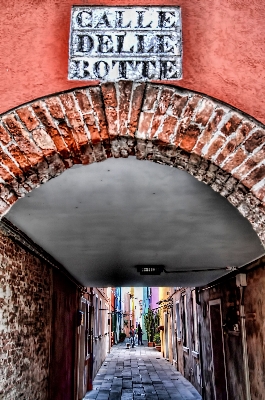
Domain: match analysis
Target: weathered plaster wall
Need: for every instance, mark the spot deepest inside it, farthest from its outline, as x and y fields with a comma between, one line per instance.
x=25, y=323
x=223, y=47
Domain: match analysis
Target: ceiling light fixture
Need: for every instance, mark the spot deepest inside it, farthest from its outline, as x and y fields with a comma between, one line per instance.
x=157, y=269
x=150, y=269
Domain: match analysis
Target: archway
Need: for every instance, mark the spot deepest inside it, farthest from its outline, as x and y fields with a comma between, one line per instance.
x=213, y=142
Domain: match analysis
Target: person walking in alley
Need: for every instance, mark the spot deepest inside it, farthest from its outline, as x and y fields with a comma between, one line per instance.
x=132, y=336
x=140, y=335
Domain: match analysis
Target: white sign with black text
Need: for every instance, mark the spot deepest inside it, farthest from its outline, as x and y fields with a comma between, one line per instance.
x=133, y=43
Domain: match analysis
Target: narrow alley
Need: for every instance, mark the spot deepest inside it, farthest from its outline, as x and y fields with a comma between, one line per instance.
x=139, y=373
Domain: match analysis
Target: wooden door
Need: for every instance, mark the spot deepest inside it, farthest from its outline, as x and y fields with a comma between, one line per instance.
x=218, y=354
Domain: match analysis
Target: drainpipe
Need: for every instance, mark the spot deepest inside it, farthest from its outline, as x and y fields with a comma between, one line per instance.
x=241, y=282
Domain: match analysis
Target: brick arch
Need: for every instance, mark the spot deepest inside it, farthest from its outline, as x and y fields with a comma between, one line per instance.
x=213, y=142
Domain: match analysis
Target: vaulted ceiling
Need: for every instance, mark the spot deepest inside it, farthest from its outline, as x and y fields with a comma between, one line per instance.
x=101, y=221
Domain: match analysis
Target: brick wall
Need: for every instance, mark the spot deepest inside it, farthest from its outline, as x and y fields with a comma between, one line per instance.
x=38, y=321
x=25, y=322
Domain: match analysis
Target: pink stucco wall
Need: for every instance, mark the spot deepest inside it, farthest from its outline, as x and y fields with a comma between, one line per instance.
x=224, y=50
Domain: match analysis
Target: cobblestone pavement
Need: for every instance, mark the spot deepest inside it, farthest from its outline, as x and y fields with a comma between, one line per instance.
x=139, y=373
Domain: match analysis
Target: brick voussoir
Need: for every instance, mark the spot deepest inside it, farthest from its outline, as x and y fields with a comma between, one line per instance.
x=161, y=108
x=28, y=118
x=124, y=90
x=151, y=96
x=75, y=118
x=9, y=163
x=135, y=107
x=5, y=137
x=97, y=100
x=66, y=133
x=210, y=129
x=110, y=99
x=49, y=124
x=22, y=138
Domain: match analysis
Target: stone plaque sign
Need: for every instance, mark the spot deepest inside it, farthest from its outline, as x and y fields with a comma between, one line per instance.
x=134, y=43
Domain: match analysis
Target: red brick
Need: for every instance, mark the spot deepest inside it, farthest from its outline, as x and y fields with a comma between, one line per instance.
x=67, y=134
x=254, y=177
x=237, y=159
x=19, y=156
x=236, y=140
x=28, y=118
x=9, y=163
x=259, y=155
x=5, y=175
x=4, y=136
x=150, y=97
x=161, y=109
x=226, y=152
x=98, y=107
x=260, y=192
x=109, y=94
x=75, y=118
x=88, y=116
x=23, y=140
x=190, y=137
x=255, y=140
x=192, y=105
x=231, y=125
x=44, y=141
x=125, y=91
x=145, y=121
x=51, y=128
x=92, y=127
x=204, y=113
x=83, y=102
x=178, y=103
x=244, y=169
x=180, y=132
x=168, y=128
x=250, y=163
x=215, y=145
x=243, y=131
x=136, y=103
x=55, y=107
x=110, y=101
x=209, y=130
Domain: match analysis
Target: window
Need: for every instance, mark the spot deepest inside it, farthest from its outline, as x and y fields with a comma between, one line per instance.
x=100, y=318
x=184, y=321
x=195, y=339
x=96, y=316
x=178, y=322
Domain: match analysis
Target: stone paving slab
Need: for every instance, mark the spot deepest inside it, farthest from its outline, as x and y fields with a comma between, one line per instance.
x=139, y=373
